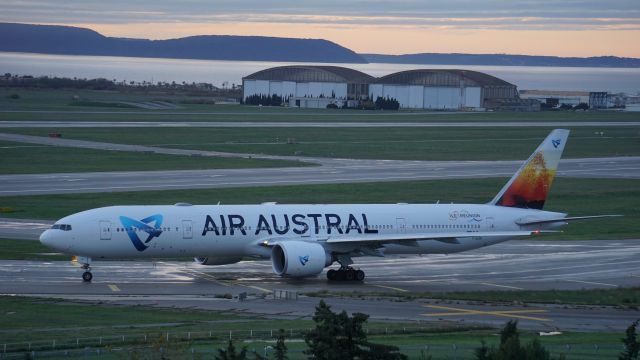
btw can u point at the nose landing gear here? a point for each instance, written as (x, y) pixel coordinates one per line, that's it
(85, 264)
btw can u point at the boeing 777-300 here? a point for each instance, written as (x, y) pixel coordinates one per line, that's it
(302, 240)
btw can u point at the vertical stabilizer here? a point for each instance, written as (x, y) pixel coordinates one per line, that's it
(529, 187)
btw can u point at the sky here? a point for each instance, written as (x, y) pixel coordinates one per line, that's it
(536, 27)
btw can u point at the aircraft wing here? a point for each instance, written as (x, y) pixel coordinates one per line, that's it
(408, 238)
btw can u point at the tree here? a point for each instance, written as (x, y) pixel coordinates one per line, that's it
(230, 353)
(631, 344)
(511, 349)
(341, 337)
(280, 352)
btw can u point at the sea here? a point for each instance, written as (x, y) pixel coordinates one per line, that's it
(226, 73)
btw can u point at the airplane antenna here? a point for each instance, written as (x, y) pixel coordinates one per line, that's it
(218, 202)
(438, 202)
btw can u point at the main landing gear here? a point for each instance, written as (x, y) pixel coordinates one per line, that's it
(346, 273)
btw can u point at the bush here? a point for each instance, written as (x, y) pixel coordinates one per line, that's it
(387, 103)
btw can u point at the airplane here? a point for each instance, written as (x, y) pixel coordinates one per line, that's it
(302, 240)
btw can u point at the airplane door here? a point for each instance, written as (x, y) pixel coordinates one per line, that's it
(488, 222)
(187, 229)
(105, 230)
(401, 225)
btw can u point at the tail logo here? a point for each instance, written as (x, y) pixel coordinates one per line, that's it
(303, 259)
(134, 227)
(556, 143)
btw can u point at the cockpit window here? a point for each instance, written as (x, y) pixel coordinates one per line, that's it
(63, 227)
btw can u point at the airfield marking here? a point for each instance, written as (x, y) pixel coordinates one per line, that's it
(114, 288)
(505, 313)
(211, 278)
(390, 288)
(503, 286)
(252, 286)
(592, 283)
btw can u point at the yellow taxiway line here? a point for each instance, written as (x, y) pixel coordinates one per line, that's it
(390, 288)
(505, 313)
(114, 288)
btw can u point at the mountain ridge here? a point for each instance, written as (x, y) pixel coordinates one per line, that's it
(68, 40)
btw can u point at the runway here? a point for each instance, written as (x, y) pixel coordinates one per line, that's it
(515, 265)
(296, 123)
(331, 171)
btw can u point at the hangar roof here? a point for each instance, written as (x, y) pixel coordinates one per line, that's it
(298, 73)
(442, 77)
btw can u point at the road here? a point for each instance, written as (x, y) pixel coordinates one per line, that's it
(514, 265)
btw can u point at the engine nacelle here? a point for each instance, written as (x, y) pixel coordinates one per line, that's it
(299, 258)
(213, 260)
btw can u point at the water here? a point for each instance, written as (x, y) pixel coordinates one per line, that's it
(613, 80)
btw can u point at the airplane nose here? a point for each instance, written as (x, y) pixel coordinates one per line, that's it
(45, 238)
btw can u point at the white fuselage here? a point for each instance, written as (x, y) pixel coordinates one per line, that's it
(229, 231)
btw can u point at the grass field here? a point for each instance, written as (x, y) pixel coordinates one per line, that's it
(575, 196)
(58, 105)
(72, 324)
(23, 158)
(27, 250)
(511, 143)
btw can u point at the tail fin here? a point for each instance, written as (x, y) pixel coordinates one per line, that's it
(529, 187)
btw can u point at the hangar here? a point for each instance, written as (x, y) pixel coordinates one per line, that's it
(308, 86)
(443, 89)
(320, 86)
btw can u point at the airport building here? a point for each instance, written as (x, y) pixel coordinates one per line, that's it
(556, 98)
(322, 86)
(307, 86)
(442, 89)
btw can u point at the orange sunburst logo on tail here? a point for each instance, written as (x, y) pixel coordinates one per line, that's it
(530, 188)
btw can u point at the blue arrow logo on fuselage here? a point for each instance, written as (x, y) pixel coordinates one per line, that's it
(132, 227)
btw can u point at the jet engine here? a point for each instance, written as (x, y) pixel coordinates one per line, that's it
(216, 260)
(299, 258)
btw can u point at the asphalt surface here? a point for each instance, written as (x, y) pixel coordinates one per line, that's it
(515, 265)
(298, 124)
(331, 171)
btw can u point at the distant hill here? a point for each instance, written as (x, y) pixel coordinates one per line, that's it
(67, 40)
(503, 60)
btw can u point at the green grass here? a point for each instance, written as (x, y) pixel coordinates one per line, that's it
(26, 250)
(22, 158)
(622, 297)
(40, 321)
(510, 143)
(48, 100)
(575, 196)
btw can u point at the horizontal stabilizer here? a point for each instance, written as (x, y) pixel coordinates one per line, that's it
(565, 219)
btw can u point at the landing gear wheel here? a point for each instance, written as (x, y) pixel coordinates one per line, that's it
(349, 275)
(345, 274)
(87, 276)
(332, 275)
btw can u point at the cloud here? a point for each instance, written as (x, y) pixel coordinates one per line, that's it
(455, 14)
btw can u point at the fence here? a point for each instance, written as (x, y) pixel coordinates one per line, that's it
(197, 344)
